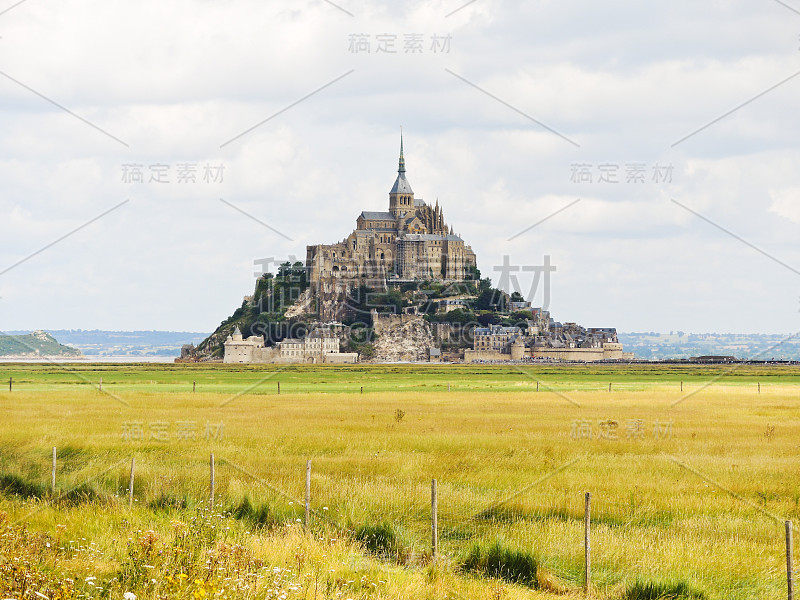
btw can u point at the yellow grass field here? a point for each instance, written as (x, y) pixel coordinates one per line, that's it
(690, 490)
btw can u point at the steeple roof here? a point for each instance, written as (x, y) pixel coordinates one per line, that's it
(402, 167)
(401, 185)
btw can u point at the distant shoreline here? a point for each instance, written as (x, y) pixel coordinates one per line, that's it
(88, 359)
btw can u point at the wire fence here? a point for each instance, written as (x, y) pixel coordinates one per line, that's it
(413, 522)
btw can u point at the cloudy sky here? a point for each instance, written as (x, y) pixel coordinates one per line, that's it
(650, 150)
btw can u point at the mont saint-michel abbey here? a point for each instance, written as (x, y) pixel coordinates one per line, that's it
(411, 241)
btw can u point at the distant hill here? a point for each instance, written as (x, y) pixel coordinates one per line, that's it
(165, 344)
(35, 344)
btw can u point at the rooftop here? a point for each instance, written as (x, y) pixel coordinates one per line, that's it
(497, 330)
(401, 185)
(377, 216)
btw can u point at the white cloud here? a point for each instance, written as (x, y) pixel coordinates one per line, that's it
(175, 81)
(786, 203)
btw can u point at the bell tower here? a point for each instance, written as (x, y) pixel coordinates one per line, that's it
(401, 197)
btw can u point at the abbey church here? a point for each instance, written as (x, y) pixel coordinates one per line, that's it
(411, 241)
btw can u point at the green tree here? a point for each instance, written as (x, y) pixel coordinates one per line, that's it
(472, 273)
(491, 299)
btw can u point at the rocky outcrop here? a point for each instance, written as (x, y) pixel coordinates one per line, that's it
(213, 347)
(402, 338)
(304, 305)
(332, 299)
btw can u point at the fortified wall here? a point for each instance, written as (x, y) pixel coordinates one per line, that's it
(608, 351)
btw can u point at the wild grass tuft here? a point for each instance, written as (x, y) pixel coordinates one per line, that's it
(83, 494)
(661, 590)
(381, 540)
(456, 533)
(499, 561)
(14, 485)
(257, 516)
(169, 502)
(632, 518)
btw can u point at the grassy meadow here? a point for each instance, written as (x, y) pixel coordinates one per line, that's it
(690, 489)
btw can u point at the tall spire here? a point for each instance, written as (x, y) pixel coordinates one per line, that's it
(401, 196)
(402, 167)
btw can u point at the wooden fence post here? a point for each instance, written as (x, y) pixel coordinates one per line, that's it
(53, 472)
(130, 484)
(307, 521)
(434, 519)
(448, 387)
(789, 568)
(537, 386)
(101, 384)
(759, 387)
(587, 547)
(194, 387)
(279, 388)
(211, 495)
(609, 386)
(10, 381)
(681, 387)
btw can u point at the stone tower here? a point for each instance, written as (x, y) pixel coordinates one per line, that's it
(401, 198)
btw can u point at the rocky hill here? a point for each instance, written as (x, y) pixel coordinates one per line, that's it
(275, 310)
(38, 344)
(402, 338)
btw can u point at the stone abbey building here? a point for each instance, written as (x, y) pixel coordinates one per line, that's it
(411, 241)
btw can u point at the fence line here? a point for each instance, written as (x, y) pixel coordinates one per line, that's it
(547, 511)
(434, 519)
(130, 484)
(555, 386)
(789, 566)
(587, 546)
(53, 471)
(307, 521)
(212, 482)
